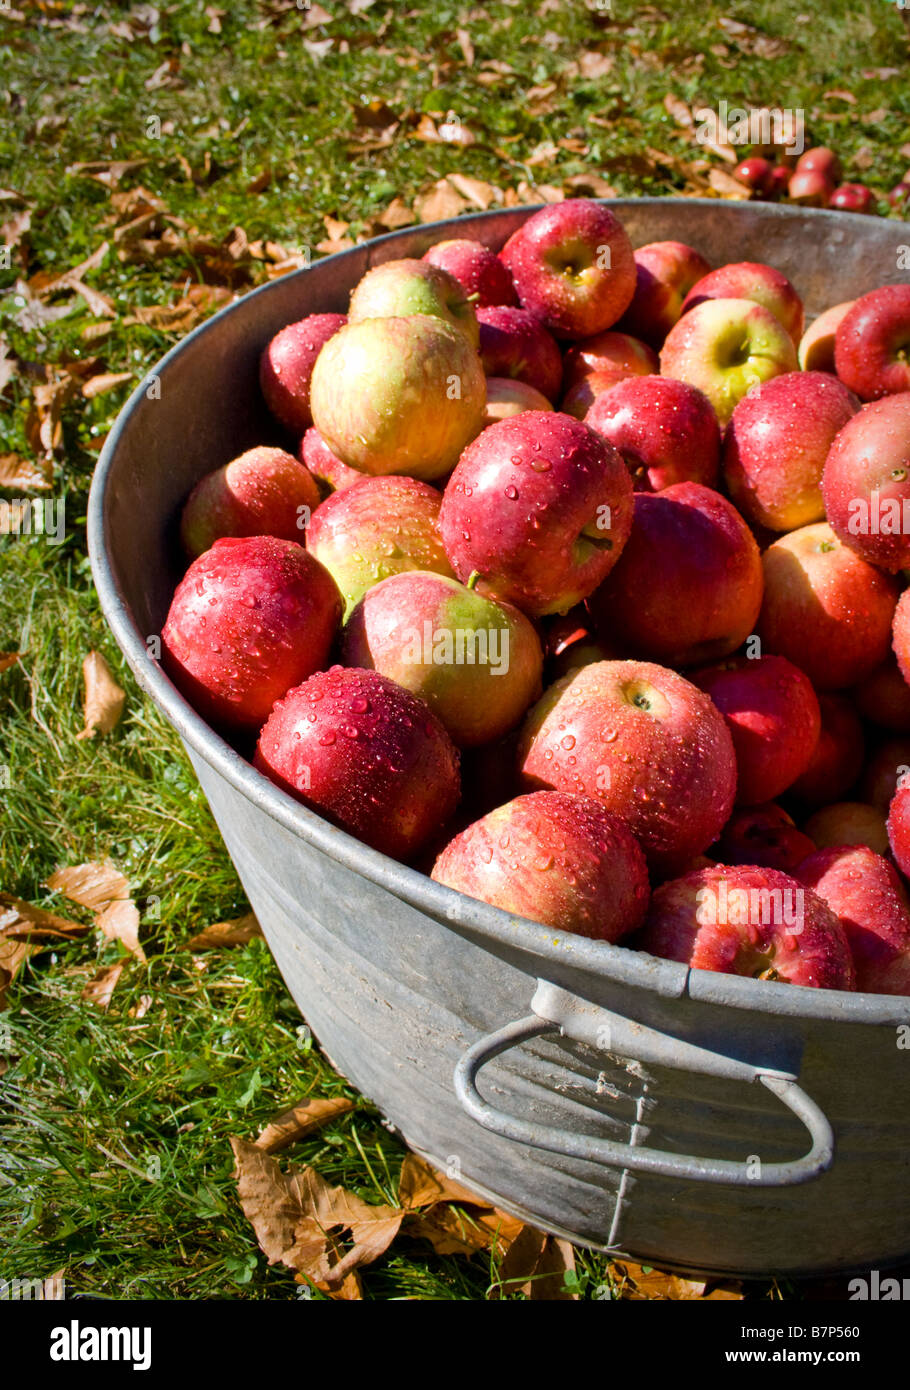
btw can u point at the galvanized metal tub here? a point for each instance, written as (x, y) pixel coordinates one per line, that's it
(703, 1121)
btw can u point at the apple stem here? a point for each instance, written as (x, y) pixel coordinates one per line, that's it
(472, 579)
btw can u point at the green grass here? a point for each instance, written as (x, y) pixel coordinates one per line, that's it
(218, 1051)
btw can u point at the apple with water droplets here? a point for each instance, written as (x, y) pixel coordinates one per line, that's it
(286, 368)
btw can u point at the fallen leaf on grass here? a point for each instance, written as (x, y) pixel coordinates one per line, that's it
(466, 46)
(302, 1119)
(441, 202)
(100, 987)
(638, 1282)
(22, 473)
(15, 228)
(477, 191)
(235, 933)
(120, 922)
(422, 1185)
(23, 921)
(13, 955)
(396, 215)
(105, 381)
(679, 110)
(106, 171)
(8, 659)
(536, 1265)
(93, 885)
(726, 185)
(104, 698)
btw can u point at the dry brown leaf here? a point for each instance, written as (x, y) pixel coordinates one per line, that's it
(9, 364)
(422, 1185)
(302, 1119)
(726, 185)
(91, 885)
(452, 1231)
(261, 182)
(105, 381)
(8, 659)
(22, 473)
(397, 214)
(316, 15)
(477, 191)
(592, 64)
(120, 922)
(100, 987)
(13, 955)
(591, 185)
(166, 318)
(106, 171)
(638, 1283)
(536, 1264)
(104, 698)
(235, 933)
(539, 193)
(25, 922)
(466, 46)
(679, 110)
(838, 95)
(13, 230)
(441, 202)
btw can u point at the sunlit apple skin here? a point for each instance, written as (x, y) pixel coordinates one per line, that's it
(752, 280)
(251, 617)
(888, 765)
(396, 289)
(330, 473)
(554, 858)
(608, 353)
(666, 431)
(822, 160)
(872, 343)
(810, 188)
(379, 527)
(899, 829)
(507, 397)
(665, 273)
(399, 395)
(816, 346)
(852, 197)
(540, 508)
(813, 951)
(756, 173)
(866, 483)
(367, 755)
(825, 609)
(478, 270)
(513, 343)
(573, 267)
(286, 368)
(776, 445)
(848, 823)
(399, 628)
(884, 697)
(900, 634)
(688, 586)
(642, 741)
(773, 716)
(579, 399)
(837, 758)
(763, 835)
(866, 895)
(263, 492)
(725, 347)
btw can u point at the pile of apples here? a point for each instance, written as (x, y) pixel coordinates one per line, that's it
(579, 591)
(814, 180)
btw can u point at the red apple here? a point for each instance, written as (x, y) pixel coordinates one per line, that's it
(825, 608)
(816, 346)
(286, 367)
(264, 492)
(853, 197)
(872, 341)
(726, 347)
(866, 483)
(886, 770)
(763, 835)
(747, 920)
(665, 273)
(899, 829)
(820, 159)
(810, 188)
(899, 197)
(514, 344)
(608, 354)
(900, 634)
(837, 757)
(380, 527)
(251, 617)
(773, 716)
(756, 173)
(755, 281)
(579, 398)
(666, 431)
(367, 755)
(848, 823)
(776, 445)
(688, 585)
(884, 697)
(866, 895)
(643, 742)
(476, 662)
(540, 508)
(506, 398)
(397, 289)
(780, 181)
(480, 272)
(573, 267)
(557, 859)
(330, 473)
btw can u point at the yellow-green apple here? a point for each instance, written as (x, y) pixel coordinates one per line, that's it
(539, 508)
(825, 608)
(397, 289)
(852, 197)
(872, 343)
(886, 769)
(763, 835)
(884, 697)
(866, 895)
(811, 188)
(752, 921)
(666, 431)
(725, 347)
(330, 473)
(608, 354)
(823, 160)
(263, 492)
(838, 755)
(848, 823)
(900, 634)
(554, 858)
(379, 527)
(752, 280)
(573, 267)
(899, 829)
(399, 395)
(816, 346)
(773, 716)
(688, 585)
(507, 397)
(665, 271)
(514, 344)
(644, 742)
(776, 444)
(370, 757)
(251, 617)
(866, 482)
(475, 661)
(286, 368)
(480, 272)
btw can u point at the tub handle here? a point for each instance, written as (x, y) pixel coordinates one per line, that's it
(556, 1011)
